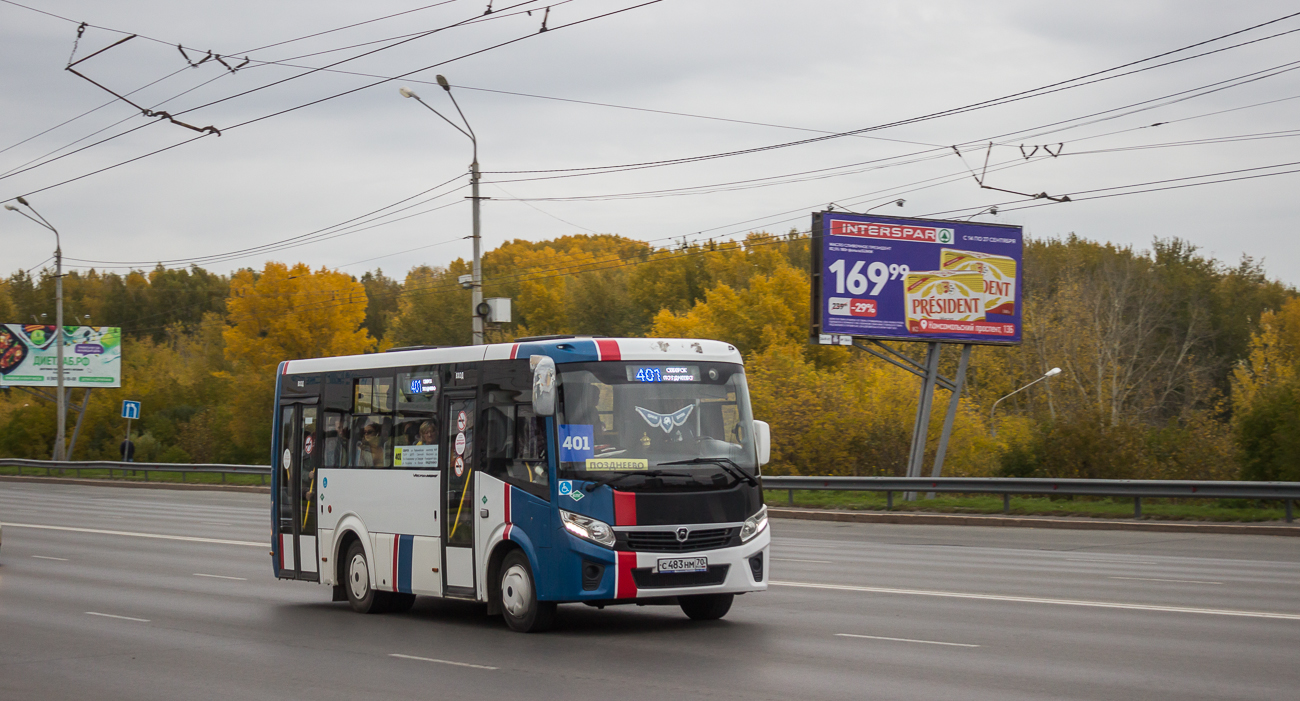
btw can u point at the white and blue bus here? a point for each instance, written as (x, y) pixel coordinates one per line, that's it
(523, 475)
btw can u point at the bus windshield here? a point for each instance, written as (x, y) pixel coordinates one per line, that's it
(627, 418)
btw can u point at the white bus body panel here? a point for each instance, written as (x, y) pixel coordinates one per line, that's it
(394, 502)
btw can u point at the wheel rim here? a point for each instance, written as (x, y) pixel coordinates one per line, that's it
(516, 591)
(359, 577)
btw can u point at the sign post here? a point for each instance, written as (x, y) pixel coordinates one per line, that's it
(881, 278)
(130, 410)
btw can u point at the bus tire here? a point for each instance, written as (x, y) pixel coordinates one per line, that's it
(706, 607)
(361, 596)
(518, 591)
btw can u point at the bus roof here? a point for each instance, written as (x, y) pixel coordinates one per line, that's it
(577, 349)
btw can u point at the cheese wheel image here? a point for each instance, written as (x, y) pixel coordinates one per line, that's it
(999, 274)
(942, 295)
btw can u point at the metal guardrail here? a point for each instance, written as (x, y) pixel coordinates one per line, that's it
(1286, 492)
(183, 469)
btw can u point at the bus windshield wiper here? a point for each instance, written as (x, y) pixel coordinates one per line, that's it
(727, 464)
(591, 486)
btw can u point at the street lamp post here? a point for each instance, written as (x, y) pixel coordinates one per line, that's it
(1050, 373)
(900, 202)
(476, 282)
(61, 400)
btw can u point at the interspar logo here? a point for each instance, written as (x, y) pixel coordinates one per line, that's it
(891, 232)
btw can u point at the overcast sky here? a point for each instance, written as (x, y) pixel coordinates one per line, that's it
(796, 69)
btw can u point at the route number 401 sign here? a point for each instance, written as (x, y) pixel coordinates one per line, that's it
(901, 279)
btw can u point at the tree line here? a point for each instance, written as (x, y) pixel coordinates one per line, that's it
(1175, 365)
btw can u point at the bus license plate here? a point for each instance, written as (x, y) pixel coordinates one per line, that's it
(684, 564)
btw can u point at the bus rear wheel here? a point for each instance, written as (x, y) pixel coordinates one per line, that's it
(706, 607)
(361, 596)
(518, 592)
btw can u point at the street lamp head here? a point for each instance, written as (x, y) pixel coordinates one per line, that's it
(22, 201)
(1052, 373)
(443, 82)
(11, 208)
(406, 92)
(900, 202)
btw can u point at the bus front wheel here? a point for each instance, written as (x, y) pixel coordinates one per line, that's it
(706, 607)
(518, 592)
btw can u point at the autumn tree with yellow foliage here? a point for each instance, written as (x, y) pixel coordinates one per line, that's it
(284, 313)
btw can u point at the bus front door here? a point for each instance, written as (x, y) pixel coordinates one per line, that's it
(459, 507)
(296, 488)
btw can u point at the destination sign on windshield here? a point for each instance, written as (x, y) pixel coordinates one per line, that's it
(663, 373)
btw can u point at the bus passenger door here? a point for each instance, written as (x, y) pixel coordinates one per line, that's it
(459, 507)
(296, 486)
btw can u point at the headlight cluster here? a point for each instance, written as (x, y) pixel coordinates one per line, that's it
(590, 529)
(754, 524)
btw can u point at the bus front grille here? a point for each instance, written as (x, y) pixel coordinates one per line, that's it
(667, 542)
(647, 578)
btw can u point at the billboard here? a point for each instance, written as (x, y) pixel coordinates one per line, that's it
(901, 279)
(92, 356)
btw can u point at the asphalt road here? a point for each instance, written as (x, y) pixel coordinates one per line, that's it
(856, 611)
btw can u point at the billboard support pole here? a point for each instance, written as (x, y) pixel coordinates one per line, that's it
(919, 432)
(81, 414)
(951, 417)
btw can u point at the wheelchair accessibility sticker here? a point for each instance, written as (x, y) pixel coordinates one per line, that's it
(567, 489)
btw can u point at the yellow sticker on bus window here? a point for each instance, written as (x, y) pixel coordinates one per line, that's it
(617, 464)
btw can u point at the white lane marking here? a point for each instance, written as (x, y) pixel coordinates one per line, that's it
(1036, 600)
(1113, 562)
(791, 559)
(124, 618)
(47, 557)
(902, 640)
(430, 659)
(220, 576)
(1151, 579)
(190, 539)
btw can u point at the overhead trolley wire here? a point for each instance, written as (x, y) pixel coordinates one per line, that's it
(349, 92)
(1007, 99)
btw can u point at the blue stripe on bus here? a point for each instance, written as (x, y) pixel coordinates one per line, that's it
(404, 562)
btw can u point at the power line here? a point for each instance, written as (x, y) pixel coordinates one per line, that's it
(348, 92)
(1013, 97)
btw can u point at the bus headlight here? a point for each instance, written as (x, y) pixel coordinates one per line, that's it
(588, 528)
(753, 525)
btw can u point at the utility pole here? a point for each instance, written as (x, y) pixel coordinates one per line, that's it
(476, 293)
(61, 399)
(476, 278)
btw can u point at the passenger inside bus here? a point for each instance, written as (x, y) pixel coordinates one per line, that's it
(372, 449)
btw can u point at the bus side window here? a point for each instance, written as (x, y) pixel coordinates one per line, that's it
(372, 441)
(530, 446)
(336, 439)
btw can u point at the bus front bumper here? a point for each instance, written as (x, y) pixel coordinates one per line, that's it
(628, 575)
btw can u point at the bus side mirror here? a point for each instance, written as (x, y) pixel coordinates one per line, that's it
(763, 441)
(544, 389)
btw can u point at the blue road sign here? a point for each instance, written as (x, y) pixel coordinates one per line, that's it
(130, 409)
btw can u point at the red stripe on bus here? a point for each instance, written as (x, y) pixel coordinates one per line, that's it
(608, 349)
(625, 587)
(506, 536)
(396, 539)
(514, 351)
(624, 508)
